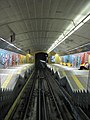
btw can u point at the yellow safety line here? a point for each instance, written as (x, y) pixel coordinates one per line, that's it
(19, 71)
(7, 81)
(17, 100)
(9, 78)
(64, 74)
(78, 83)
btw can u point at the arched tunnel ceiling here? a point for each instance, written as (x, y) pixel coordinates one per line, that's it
(38, 23)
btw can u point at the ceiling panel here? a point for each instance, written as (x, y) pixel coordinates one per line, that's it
(22, 36)
(31, 8)
(38, 23)
(46, 8)
(28, 25)
(5, 32)
(18, 27)
(53, 7)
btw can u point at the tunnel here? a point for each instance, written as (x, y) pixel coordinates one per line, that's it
(40, 56)
(44, 59)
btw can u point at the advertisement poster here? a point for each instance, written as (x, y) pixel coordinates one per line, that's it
(76, 59)
(8, 58)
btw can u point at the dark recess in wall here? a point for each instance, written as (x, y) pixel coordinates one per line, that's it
(40, 56)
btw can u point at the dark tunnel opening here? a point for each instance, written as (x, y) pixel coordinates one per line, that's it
(40, 57)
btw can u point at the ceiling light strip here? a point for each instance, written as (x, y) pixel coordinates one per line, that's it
(63, 38)
(10, 43)
(78, 47)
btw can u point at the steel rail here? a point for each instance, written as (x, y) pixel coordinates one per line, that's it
(53, 96)
(30, 97)
(44, 102)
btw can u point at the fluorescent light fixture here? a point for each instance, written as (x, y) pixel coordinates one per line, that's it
(78, 26)
(79, 47)
(10, 43)
(64, 37)
(69, 28)
(87, 19)
(2, 39)
(18, 48)
(74, 29)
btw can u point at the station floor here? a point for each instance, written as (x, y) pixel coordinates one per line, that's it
(9, 76)
(77, 79)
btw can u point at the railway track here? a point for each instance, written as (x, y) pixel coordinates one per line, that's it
(43, 99)
(24, 108)
(61, 111)
(77, 112)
